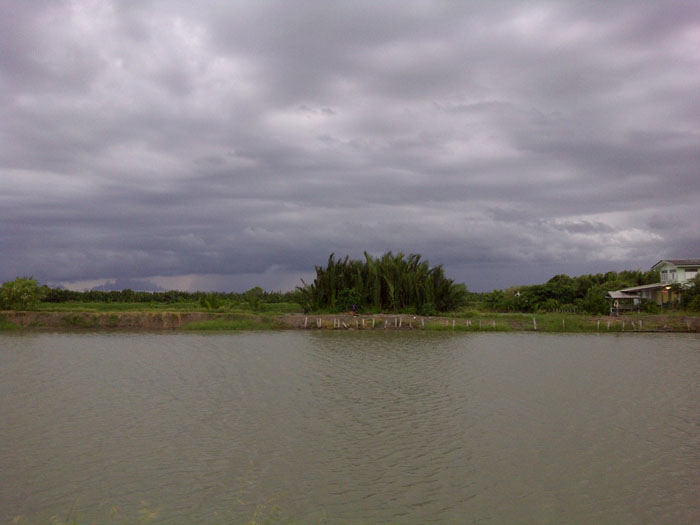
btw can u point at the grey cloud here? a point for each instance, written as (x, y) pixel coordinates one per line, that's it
(163, 139)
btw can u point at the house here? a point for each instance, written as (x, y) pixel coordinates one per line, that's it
(675, 274)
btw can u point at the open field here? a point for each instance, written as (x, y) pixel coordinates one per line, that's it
(125, 318)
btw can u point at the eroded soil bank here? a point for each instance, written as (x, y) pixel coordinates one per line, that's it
(485, 322)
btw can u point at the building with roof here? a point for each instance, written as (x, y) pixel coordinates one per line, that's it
(675, 274)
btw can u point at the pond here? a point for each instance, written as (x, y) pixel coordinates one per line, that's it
(350, 427)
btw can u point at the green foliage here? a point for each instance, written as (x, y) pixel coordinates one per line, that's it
(388, 283)
(347, 298)
(690, 296)
(584, 293)
(21, 294)
(254, 298)
(211, 301)
(6, 325)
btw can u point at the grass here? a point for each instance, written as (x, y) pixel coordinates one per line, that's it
(7, 326)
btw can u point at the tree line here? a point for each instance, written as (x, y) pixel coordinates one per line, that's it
(585, 293)
(390, 283)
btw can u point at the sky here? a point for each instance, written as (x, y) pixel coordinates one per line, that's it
(225, 145)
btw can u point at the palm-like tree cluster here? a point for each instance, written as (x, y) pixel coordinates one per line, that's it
(387, 283)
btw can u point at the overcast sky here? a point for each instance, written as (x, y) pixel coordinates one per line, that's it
(223, 145)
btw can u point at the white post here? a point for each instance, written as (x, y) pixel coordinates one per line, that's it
(534, 324)
(598, 326)
(373, 322)
(363, 322)
(306, 321)
(400, 321)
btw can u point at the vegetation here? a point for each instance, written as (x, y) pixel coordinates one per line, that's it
(21, 294)
(585, 293)
(690, 296)
(6, 326)
(393, 283)
(390, 283)
(253, 298)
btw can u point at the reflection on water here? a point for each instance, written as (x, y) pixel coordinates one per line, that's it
(347, 426)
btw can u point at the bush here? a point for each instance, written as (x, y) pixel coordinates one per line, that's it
(21, 294)
(347, 297)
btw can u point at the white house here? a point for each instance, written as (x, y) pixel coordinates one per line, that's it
(672, 271)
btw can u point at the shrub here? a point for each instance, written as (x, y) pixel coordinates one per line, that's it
(21, 294)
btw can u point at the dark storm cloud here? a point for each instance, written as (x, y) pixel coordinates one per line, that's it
(213, 145)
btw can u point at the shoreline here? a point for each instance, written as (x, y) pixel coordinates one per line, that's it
(218, 321)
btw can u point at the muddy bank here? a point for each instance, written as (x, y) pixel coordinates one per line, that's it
(486, 322)
(494, 322)
(104, 320)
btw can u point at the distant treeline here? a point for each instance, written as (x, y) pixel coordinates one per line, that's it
(60, 295)
(390, 283)
(585, 293)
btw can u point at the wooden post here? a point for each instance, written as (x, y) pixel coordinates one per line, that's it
(534, 324)
(306, 321)
(400, 321)
(373, 322)
(422, 323)
(608, 324)
(453, 324)
(363, 322)
(493, 323)
(357, 323)
(563, 324)
(410, 324)
(343, 325)
(479, 324)
(396, 322)
(318, 322)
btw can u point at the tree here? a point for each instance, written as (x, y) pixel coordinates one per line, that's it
(21, 294)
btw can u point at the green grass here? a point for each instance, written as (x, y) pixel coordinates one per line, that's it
(7, 326)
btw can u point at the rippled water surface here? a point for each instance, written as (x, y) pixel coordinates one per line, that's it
(351, 426)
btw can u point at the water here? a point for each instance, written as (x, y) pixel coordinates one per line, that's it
(351, 427)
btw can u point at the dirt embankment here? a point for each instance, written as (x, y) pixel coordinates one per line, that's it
(487, 322)
(494, 322)
(104, 320)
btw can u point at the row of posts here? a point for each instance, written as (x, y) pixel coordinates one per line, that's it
(398, 323)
